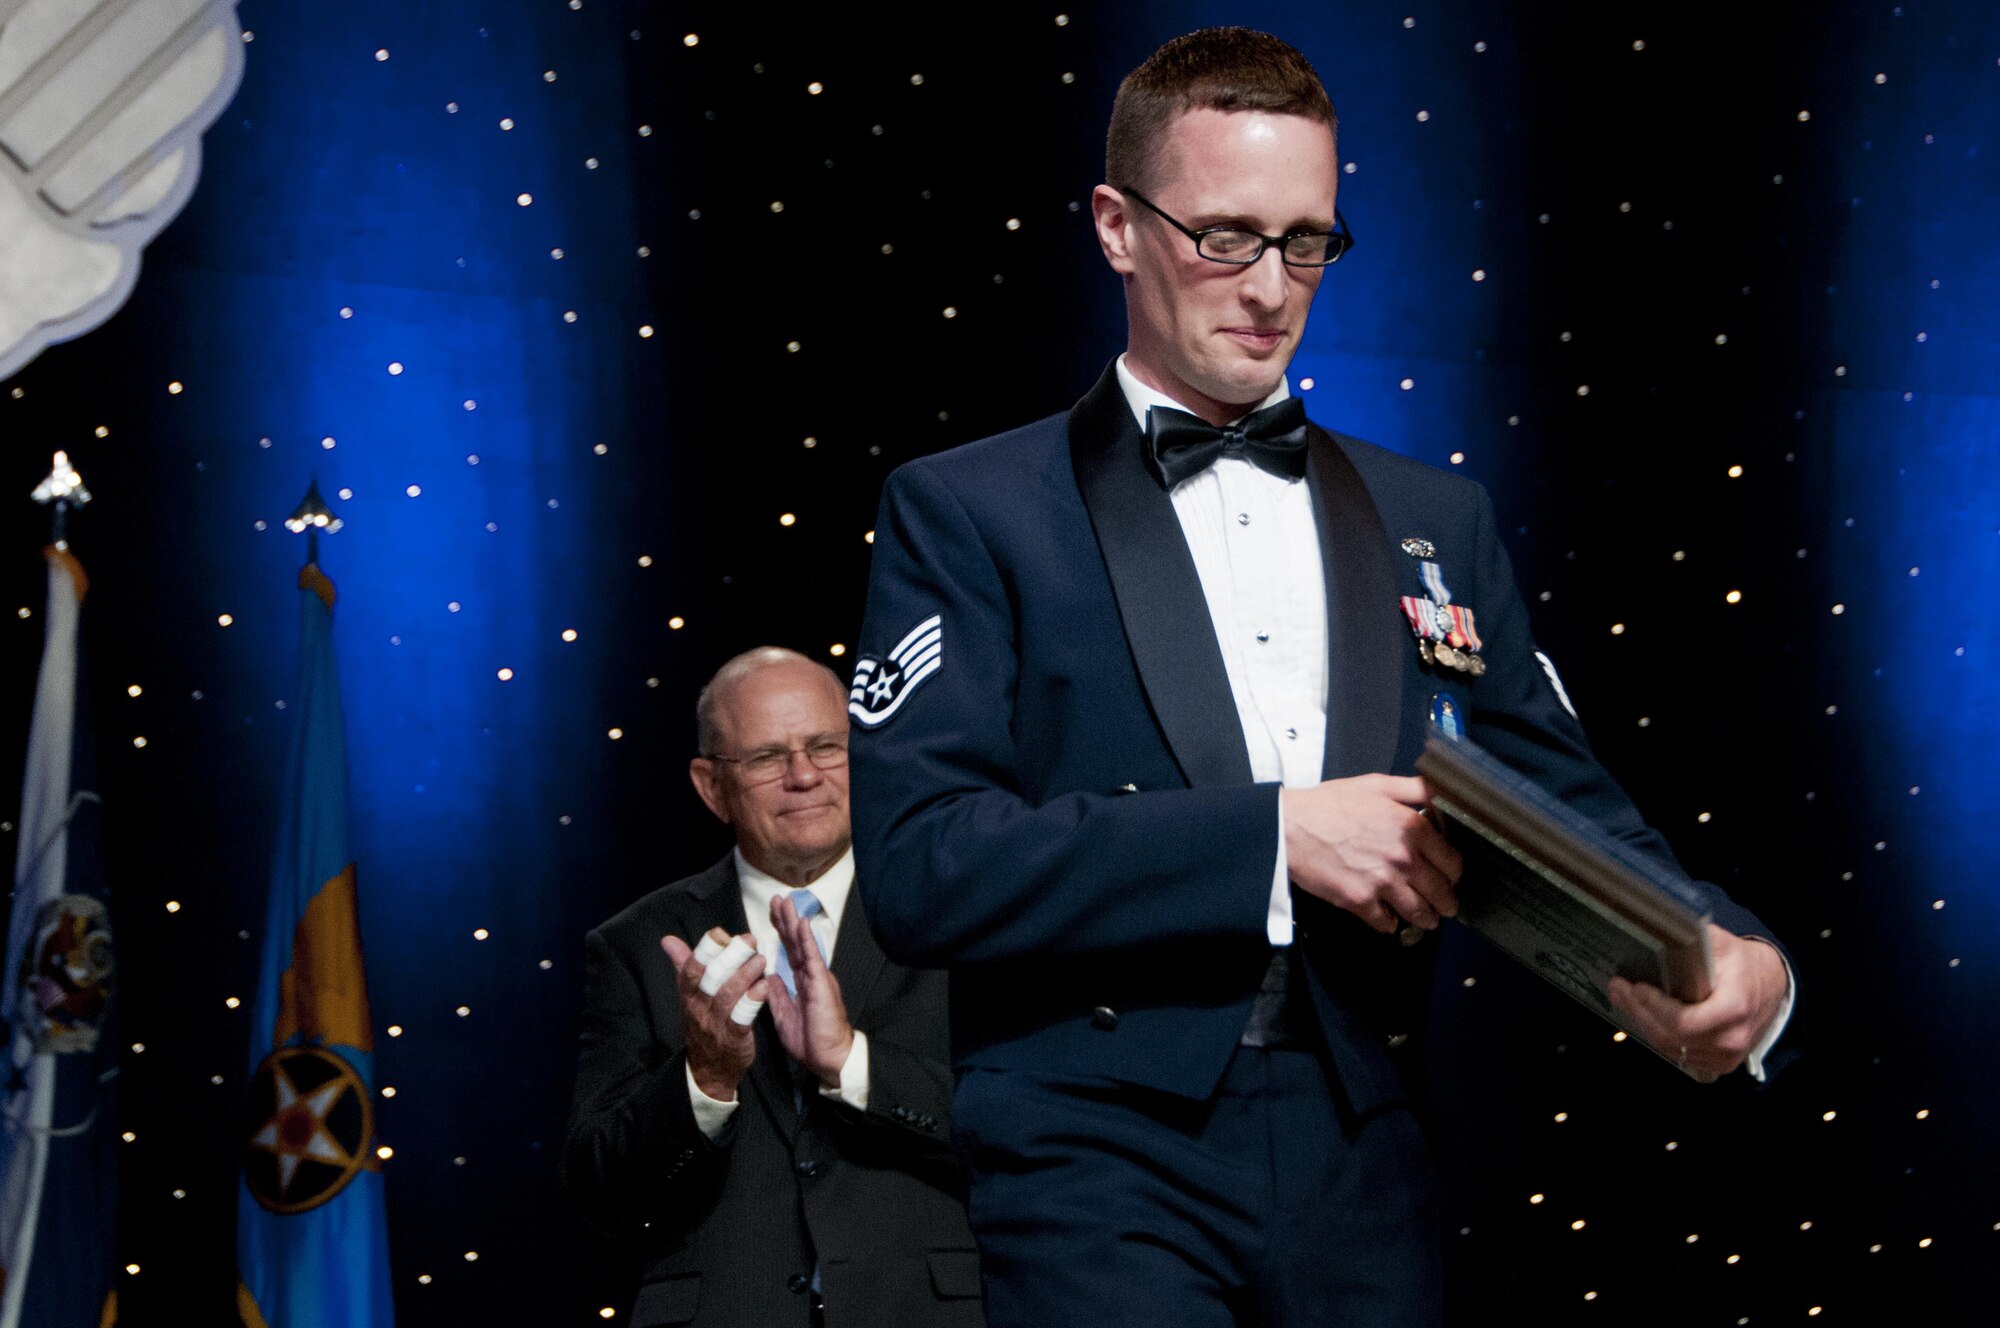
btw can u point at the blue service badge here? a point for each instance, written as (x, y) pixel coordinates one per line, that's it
(1446, 717)
(881, 685)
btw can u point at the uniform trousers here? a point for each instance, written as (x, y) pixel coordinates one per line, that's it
(1269, 1204)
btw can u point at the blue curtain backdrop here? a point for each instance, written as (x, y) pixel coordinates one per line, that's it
(567, 305)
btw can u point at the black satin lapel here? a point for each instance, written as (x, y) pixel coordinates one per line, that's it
(857, 960)
(1364, 630)
(1160, 600)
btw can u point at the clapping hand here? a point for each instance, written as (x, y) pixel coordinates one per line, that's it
(813, 1024)
(719, 1050)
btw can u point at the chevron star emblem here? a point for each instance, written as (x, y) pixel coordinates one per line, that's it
(882, 683)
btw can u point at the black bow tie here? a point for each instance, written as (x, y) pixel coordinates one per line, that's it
(1179, 444)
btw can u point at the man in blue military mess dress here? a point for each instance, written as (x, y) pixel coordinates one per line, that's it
(1136, 724)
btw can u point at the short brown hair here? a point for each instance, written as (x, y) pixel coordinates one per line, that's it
(1223, 69)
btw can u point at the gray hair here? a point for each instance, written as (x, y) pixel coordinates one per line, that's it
(708, 733)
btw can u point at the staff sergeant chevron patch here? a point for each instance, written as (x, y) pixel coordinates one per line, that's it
(882, 685)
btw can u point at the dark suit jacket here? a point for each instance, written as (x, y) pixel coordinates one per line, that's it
(1071, 782)
(732, 1229)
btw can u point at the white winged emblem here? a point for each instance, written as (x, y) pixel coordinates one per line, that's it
(882, 685)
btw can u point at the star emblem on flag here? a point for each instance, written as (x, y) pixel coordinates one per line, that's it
(314, 1131)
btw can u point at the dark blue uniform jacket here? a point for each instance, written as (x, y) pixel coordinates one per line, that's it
(1060, 810)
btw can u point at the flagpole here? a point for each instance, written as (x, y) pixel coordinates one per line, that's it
(40, 877)
(311, 1232)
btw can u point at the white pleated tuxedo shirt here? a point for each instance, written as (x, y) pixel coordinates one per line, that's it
(1256, 550)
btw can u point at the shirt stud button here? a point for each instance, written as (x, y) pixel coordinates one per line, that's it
(1263, 636)
(1291, 733)
(1242, 518)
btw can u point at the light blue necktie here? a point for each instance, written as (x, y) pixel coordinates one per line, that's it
(807, 904)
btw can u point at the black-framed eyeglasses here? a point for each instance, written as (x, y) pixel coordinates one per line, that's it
(769, 763)
(1241, 247)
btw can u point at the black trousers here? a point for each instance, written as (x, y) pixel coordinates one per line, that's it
(1095, 1202)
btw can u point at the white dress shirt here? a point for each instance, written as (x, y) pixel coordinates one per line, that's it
(1256, 550)
(759, 889)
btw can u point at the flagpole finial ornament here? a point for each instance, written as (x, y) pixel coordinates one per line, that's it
(312, 513)
(62, 490)
(310, 517)
(63, 485)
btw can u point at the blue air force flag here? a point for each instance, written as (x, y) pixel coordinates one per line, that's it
(58, 1153)
(312, 1243)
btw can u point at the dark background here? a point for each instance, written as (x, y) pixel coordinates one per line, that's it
(1810, 297)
